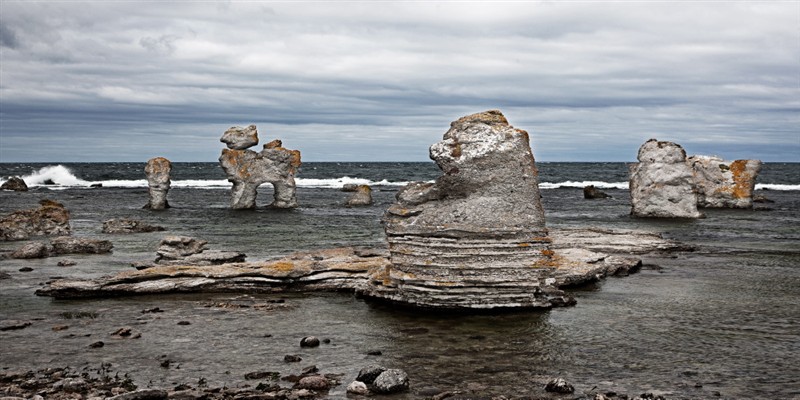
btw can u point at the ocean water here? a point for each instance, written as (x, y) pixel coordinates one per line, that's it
(721, 320)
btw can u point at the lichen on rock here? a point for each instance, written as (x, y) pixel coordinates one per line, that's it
(724, 184)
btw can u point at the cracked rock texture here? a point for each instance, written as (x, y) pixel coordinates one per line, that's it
(724, 184)
(51, 218)
(661, 183)
(158, 182)
(248, 169)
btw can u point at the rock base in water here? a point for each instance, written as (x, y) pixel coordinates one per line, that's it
(158, 182)
(661, 183)
(724, 184)
(14, 183)
(51, 218)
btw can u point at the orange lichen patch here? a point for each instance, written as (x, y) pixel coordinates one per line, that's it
(273, 144)
(542, 239)
(158, 165)
(295, 155)
(455, 152)
(741, 179)
(235, 158)
(284, 266)
(523, 245)
(548, 253)
(490, 117)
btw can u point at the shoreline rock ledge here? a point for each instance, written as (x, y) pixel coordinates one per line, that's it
(476, 238)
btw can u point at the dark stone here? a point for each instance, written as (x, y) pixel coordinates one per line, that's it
(591, 192)
(311, 369)
(97, 345)
(12, 325)
(369, 373)
(4, 275)
(184, 323)
(14, 183)
(127, 225)
(760, 198)
(292, 358)
(374, 353)
(262, 375)
(309, 341)
(66, 263)
(142, 394)
(73, 245)
(313, 382)
(25, 269)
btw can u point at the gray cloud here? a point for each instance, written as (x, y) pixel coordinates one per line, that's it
(358, 81)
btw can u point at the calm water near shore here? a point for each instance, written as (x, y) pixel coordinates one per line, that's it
(724, 318)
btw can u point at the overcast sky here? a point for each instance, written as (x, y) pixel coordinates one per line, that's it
(381, 81)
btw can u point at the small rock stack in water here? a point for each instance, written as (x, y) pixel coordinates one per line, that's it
(247, 169)
(475, 238)
(724, 184)
(662, 184)
(158, 171)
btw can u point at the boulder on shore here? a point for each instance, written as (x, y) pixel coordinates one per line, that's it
(51, 218)
(362, 196)
(127, 225)
(158, 182)
(247, 170)
(14, 183)
(724, 184)
(661, 183)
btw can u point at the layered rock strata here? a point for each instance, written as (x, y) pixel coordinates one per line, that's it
(662, 183)
(476, 238)
(247, 169)
(51, 218)
(185, 250)
(724, 184)
(362, 269)
(158, 171)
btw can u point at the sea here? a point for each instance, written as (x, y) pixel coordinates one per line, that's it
(722, 321)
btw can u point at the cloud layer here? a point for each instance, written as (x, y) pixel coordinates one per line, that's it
(591, 81)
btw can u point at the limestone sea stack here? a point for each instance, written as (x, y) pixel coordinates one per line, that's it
(247, 169)
(662, 183)
(158, 182)
(724, 184)
(476, 238)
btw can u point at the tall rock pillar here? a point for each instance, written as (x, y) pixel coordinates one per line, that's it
(158, 182)
(662, 184)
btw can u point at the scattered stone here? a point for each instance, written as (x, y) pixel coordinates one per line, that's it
(96, 185)
(391, 381)
(349, 187)
(32, 250)
(179, 247)
(262, 375)
(358, 387)
(72, 385)
(152, 310)
(313, 382)
(247, 170)
(13, 325)
(559, 385)
(369, 373)
(25, 269)
(374, 353)
(158, 182)
(142, 394)
(362, 196)
(311, 369)
(127, 225)
(292, 358)
(66, 263)
(309, 341)
(662, 183)
(73, 245)
(14, 183)
(184, 323)
(724, 184)
(97, 345)
(51, 218)
(123, 332)
(59, 328)
(591, 192)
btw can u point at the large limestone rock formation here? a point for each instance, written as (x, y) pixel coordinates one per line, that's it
(51, 218)
(724, 184)
(247, 170)
(475, 238)
(662, 184)
(158, 182)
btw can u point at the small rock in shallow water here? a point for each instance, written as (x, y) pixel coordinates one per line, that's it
(374, 353)
(314, 382)
(309, 341)
(66, 263)
(60, 328)
(97, 345)
(559, 385)
(184, 323)
(391, 381)
(292, 358)
(142, 394)
(10, 325)
(369, 373)
(25, 269)
(358, 387)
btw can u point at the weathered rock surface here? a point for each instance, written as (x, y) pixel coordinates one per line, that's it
(247, 170)
(362, 196)
(74, 245)
(126, 225)
(14, 183)
(32, 250)
(391, 381)
(185, 250)
(51, 218)
(724, 184)
(591, 192)
(661, 183)
(238, 138)
(158, 182)
(475, 238)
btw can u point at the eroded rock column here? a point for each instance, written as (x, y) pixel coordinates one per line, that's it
(662, 183)
(724, 184)
(476, 238)
(247, 170)
(158, 182)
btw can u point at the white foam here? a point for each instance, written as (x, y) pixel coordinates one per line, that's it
(58, 174)
(775, 186)
(582, 184)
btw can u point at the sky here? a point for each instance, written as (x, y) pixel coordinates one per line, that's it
(381, 81)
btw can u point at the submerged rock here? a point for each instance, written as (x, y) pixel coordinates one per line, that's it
(158, 182)
(127, 225)
(475, 238)
(14, 183)
(559, 385)
(51, 218)
(362, 196)
(661, 183)
(724, 184)
(247, 170)
(73, 245)
(591, 192)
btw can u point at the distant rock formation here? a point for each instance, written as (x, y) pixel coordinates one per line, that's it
(51, 218)
(127, 225)
(724, 184)
(476, 238)
(185, 250)
(62, 245)
(158, 182)
(591, 192)
(661, 183)
(247, 170)
(362, 196)
(14, 183)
